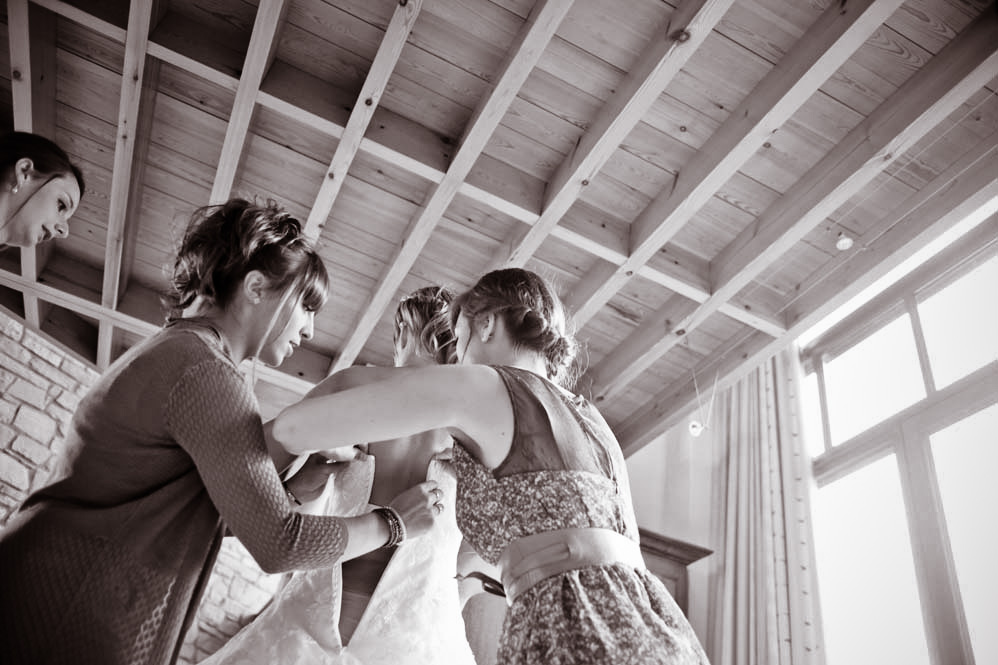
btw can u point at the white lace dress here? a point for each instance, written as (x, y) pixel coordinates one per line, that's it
(413, 617)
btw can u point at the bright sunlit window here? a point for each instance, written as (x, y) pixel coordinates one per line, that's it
(861, 537)
(966, 457)
(874, 379)
(961, 326)
(900, 411)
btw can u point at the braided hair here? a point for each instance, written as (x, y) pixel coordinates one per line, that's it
(533, 314)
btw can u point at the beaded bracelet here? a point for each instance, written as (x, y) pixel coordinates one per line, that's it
(396, 527)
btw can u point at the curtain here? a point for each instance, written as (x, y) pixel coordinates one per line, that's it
(762, 607)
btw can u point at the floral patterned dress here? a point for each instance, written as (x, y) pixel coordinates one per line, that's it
(565, 470)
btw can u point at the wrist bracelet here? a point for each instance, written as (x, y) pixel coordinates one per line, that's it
(396, 527)
(291, 495)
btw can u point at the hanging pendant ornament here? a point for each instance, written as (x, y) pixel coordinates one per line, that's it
(697, 427)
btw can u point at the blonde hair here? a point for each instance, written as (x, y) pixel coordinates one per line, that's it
(426, 312)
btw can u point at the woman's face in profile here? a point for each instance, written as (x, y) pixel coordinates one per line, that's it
(41, 212)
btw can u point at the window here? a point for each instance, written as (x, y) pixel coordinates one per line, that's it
(861, 536)
(902, 396)
(961, 324)
(874, 379)
(966, 457)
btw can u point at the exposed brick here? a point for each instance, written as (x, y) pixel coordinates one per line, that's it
(61, 415)
(69, 400)
(7, 434)
(9, 501)
(14, 350)
(76, 369)
(31, 449)
(52, 373)
(14, 472)
(237, 589)
(20, 370)
(28, 393)
(6, 378)
(37, 424)
(42, 347)
(11, 327)
(7, 411)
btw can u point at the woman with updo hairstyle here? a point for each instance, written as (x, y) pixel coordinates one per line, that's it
(390, 606)
(40, 189)
(542, 489)
(166, 453)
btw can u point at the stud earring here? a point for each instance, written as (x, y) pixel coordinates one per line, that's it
(13, 190)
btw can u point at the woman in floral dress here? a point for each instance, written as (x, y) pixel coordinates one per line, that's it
(542, 485)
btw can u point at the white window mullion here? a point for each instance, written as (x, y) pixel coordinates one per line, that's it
(920, 347)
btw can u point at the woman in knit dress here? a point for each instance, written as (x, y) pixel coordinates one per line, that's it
(106, 564)
(542, 487)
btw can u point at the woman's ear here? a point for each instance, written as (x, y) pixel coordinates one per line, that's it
(23, 170)
(486, 326)
(22, 173)
(255, 286)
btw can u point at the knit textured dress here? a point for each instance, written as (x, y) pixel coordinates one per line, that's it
(107, 564)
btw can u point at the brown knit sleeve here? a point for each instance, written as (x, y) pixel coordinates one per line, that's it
(213, 415)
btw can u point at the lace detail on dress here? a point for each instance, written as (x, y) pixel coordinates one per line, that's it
(414, 615)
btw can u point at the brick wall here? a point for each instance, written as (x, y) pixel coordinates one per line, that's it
(41, 382)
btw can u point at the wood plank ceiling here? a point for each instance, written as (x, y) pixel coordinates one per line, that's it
(682, 172)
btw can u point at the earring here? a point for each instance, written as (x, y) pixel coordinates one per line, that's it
(13, 190)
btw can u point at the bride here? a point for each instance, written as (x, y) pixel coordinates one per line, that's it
(400, 605)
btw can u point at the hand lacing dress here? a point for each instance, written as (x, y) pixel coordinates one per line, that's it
(565, 470)
(414, 614)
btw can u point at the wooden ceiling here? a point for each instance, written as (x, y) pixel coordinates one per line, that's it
(682, 172)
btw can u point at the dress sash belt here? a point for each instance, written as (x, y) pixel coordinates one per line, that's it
(530, 559)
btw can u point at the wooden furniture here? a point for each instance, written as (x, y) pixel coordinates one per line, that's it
(669, 558)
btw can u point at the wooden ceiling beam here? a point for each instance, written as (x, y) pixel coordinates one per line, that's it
(259, 55)
(127, 134)
(672, 45)
(962, 68)
(33, 74)
(961, 196)
(87, 20)
(827, 44)
(94, 310)
(523, 211)
(396, 35)
(521, 59)
(968, 180)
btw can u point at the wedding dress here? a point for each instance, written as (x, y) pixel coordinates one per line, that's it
(413, 617)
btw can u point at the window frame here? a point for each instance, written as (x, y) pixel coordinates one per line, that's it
(906, 434)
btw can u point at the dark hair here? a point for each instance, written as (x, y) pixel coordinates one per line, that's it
(532, 312)
(47, 158)
(427, 313)
(225, 242)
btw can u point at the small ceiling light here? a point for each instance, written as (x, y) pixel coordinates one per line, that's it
(843, 242)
